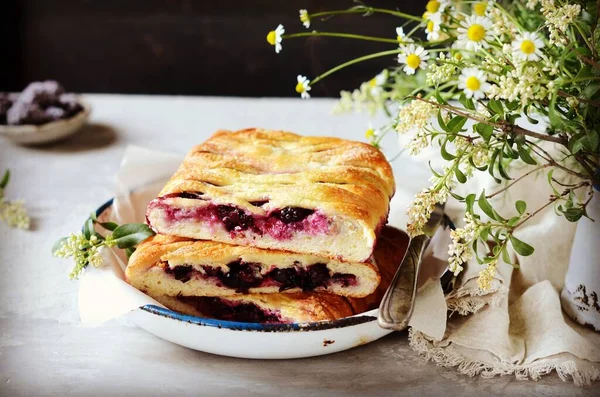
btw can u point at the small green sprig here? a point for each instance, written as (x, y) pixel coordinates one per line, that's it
(85, 247)
(13, 213)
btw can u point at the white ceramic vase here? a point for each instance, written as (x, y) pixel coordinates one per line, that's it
(580, 296)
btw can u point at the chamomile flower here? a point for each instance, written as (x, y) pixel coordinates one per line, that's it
(413, 57)
(527, 47)
(480, 8)
(474, 32)
(372, 133)
(473, 82)
(377, 82)
(434, 9)
(401, 36)
(275, 36)
(433, 29)
(303, 86)
(305, 18)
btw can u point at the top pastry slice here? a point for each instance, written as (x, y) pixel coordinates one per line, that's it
(278, 190)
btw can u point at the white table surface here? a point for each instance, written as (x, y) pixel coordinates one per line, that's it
(44, 351)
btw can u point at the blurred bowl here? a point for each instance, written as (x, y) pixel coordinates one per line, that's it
(53, 131)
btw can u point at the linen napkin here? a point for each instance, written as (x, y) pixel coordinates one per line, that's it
(517, 327)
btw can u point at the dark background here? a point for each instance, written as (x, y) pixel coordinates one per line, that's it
(185, 47)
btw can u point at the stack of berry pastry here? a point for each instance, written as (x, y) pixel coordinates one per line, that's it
(267, 226)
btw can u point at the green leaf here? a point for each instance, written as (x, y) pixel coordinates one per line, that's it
(456, 196)
(434, 171)
(573, 214)
(521, 247)
(496, 106)
(469, 201)
(109, 225)
(5, 179)
(484, 233)
(456, 124)
(131, 234)
(441, 122)
(466, 102)
(485, 130)
(506, 257)
(88, 228)
(445, 155)
(129, 252)
(460, 176)
(525, 156)
(514, 220)
(502, 172)
(439, 98)
(521, 206)
(556, 193)
(57, 245)
(485, 206)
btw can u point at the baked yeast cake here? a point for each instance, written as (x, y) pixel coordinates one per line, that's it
(172, 266)
(278, 190)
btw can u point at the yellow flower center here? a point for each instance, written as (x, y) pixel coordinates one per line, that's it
(370, 133)
(473, 83)
(372, 82)
(304, 17)
(458, 56)
(430, 26)
(528, 47)
(413, 61)
(271, 37)
(433, 6)
(476, 32)
(479, 8)
(400, 39)
(300, 88)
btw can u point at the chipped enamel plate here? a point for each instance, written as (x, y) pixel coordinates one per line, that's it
(257, 341)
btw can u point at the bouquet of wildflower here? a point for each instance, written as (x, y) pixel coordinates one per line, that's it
(467, 73)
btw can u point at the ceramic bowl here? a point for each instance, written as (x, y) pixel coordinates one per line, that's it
(49, 132)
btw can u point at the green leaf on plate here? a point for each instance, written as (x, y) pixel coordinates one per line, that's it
(521, 247)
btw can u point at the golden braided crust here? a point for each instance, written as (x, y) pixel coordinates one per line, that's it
(343, 179)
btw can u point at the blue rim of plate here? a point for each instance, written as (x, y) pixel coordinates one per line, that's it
(239, 326)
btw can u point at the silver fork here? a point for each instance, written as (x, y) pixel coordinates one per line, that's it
(398, 303)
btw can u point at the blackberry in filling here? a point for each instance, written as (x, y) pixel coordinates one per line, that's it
(181, 273)
(292, 214)
(230, 311)
(245, 275)
(234, 218)
(242, 276)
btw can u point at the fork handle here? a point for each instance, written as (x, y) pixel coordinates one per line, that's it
(397, 304)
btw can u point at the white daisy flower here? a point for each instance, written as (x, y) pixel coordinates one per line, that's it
(527, 47)
(303, 86)
(474, 32)
(372, 133)
(413, 57)
(434, 9)
(377, 82)
(480, 8)
(401, 36)
(433, 30)
(473, 82)
(305, 18)
(275, 36)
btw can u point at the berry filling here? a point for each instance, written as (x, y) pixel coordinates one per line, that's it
(245, 275)
(280, 224)
(222, 309)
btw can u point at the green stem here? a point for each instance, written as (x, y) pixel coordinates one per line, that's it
(352, 62)
(342, 35)
(366, 10)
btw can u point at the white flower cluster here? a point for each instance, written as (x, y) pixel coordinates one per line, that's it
(558, 19)
(13, 213)
(477, 151)
(460, 251)
(421, 208)
(416, 114)
(524, 84)
(440, 72)
(83, 251)
(486, 276)
(365, 98)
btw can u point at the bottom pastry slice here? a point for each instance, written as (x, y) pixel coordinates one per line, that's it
(295, 307)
